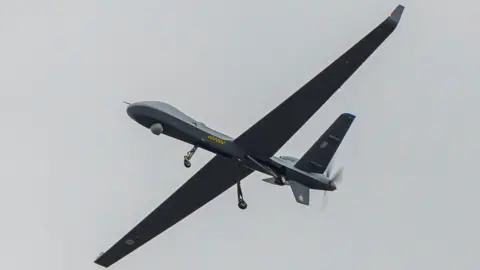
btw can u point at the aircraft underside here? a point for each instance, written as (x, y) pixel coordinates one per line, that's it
(255, 148)
(284, 170)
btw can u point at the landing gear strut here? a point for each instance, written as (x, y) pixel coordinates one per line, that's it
(241, 202)
(188, 156)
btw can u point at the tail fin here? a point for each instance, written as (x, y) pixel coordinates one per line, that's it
(317, 158)
(300, 192)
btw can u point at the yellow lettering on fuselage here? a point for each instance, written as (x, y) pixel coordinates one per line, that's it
(215, 139)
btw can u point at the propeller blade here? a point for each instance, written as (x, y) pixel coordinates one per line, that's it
(324, 201)
(328, 170)
(338, 177)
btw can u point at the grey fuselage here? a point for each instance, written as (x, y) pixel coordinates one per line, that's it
(180, 126)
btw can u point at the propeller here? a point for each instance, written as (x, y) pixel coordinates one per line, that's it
(335, 179)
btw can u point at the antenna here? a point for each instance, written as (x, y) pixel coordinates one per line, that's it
(128, 103)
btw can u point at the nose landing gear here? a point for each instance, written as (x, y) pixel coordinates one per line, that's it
(241, 202)
(188, 156)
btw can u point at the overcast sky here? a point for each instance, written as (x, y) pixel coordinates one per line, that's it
(77, 173)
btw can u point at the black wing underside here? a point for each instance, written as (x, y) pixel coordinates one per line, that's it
(263, 140)
(269, 134)
(218, 175)
(317, 158)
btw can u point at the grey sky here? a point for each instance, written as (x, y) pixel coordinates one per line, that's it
(77, 173)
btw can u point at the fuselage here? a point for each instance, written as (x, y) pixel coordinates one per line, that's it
(180, 126)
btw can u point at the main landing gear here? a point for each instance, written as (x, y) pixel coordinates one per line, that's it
(188, 156)
(241, 202)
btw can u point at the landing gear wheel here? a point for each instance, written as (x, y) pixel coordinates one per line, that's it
(188, 156)
(242, 205)
(241, 202)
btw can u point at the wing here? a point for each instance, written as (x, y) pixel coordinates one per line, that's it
(269, 134)
(218, 175)
(317, 158)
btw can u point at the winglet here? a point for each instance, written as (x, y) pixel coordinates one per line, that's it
(349, 115)
(396, 14)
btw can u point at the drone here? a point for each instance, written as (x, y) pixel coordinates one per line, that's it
(253, 150)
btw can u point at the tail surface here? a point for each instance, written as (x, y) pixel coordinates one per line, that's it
(317, 158)
(320, 154)
(300, 192)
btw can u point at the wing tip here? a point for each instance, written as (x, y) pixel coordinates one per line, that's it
(349, 115)
(396, 14)
(99, 262)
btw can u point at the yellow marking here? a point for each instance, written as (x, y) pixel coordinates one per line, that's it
(215, 139)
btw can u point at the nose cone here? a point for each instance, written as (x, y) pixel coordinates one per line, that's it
(131, 108)
(142, 113)
(138, 110)
(143, 108)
